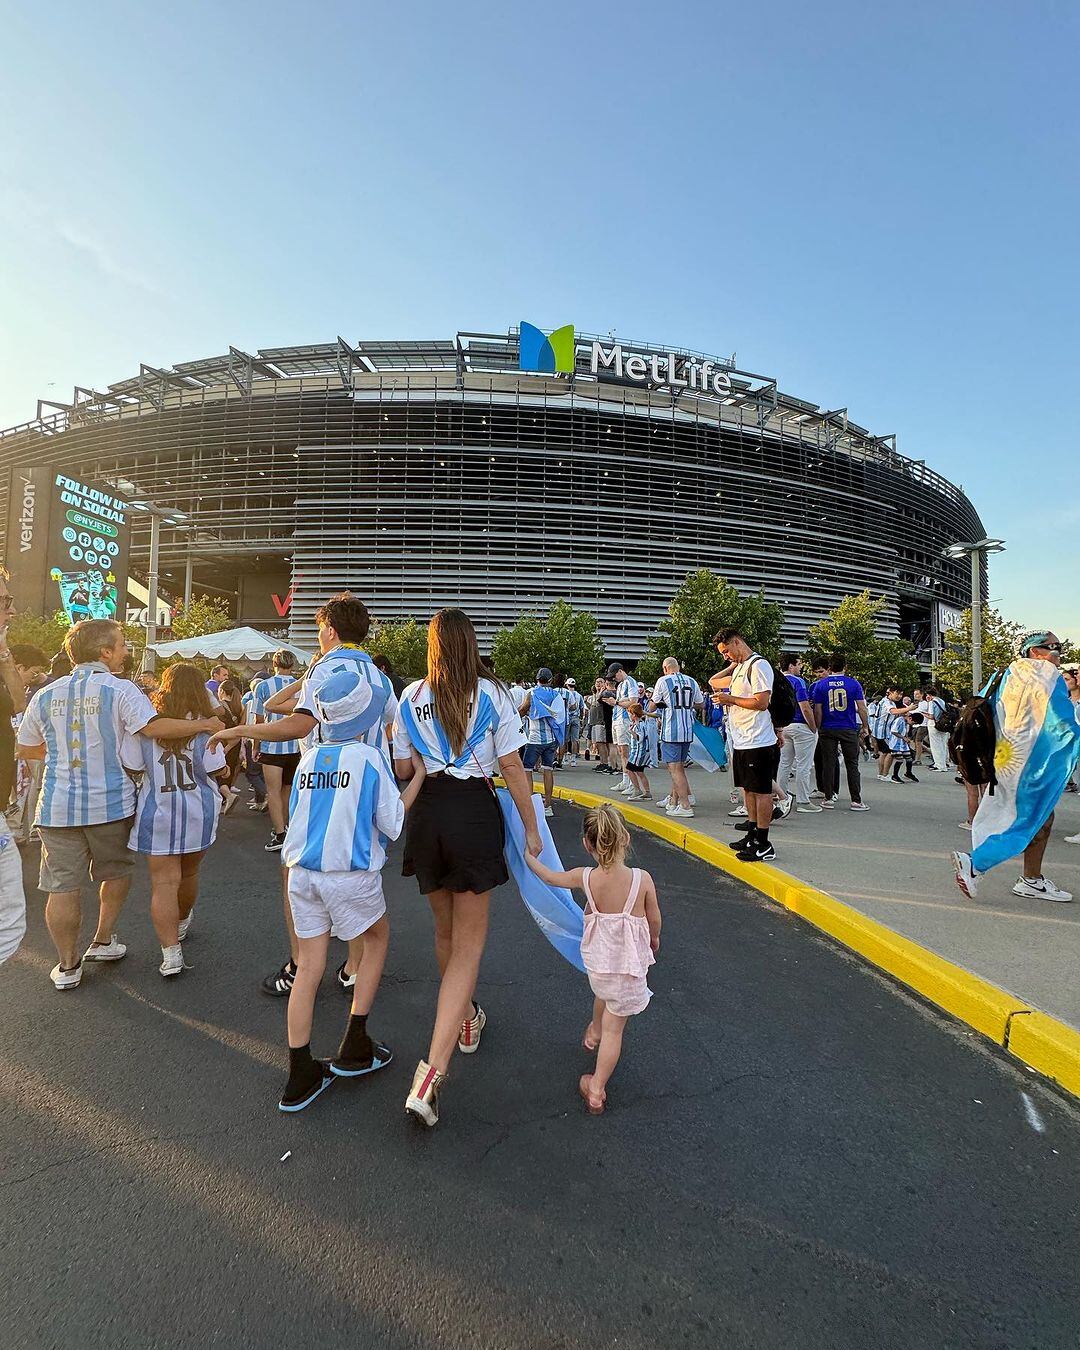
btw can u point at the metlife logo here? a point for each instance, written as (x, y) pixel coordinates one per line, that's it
(556, 354)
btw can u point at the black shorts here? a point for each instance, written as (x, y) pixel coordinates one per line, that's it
(755, 770)
(454, 837)
(286, 763)
(882, 747)
(638, 768)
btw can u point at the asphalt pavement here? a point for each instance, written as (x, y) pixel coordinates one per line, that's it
(796, 1153)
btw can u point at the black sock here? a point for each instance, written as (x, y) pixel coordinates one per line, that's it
(300, 1059)
(356, 1043)
(762, 837)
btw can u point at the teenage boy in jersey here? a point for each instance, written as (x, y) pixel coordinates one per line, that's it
(545, 711)
(677, 697)
(278, 765)
(800, 737)
(343, 624)
(626, 694)
(840, 709)
(755, 755)
(344, 806)
(76, 725)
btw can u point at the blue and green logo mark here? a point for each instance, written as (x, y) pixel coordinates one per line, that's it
(556, 353)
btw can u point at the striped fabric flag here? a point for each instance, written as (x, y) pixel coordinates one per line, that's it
(1038, 744)
(557, 916)
(710, 748)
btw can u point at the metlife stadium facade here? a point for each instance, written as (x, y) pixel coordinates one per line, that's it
(422, 474)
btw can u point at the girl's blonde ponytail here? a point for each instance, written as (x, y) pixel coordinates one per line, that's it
(606, 835)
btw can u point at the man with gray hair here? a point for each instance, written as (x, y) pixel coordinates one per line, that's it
(677, 698)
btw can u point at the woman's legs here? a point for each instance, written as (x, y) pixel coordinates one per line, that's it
(276, 799)
(165, 877)
(188, 890)
(468, 933)
(442, 911)
(310, 966)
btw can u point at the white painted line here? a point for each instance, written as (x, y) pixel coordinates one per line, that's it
(1034, 1119)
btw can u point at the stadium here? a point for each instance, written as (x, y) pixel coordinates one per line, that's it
(500, 472)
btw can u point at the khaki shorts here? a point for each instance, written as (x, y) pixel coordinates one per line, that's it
(620, 732)
(73, 855)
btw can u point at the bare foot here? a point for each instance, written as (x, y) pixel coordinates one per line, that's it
(590, 1041)
(594, 1102)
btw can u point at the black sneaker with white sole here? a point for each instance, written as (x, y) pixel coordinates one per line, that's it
(757, 853)
(274, 843)
(346, 983)
(279, 985)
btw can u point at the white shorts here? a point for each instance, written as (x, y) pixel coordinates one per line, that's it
(343, 903)
(620, 732)
(624, 995)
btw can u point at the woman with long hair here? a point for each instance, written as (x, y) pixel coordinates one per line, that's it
(177, 813)
(463, 723)
(230, 709)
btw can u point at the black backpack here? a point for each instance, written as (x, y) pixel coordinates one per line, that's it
(783, 704)
(948, 719)
(974, 738)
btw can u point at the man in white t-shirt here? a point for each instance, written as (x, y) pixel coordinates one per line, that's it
(626, 693)
(755, 756)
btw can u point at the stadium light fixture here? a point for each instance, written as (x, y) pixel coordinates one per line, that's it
(976, 552)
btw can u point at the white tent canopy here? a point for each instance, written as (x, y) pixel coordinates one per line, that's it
(234, 644)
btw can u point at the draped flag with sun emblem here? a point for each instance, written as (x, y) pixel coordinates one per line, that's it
(1038, 744)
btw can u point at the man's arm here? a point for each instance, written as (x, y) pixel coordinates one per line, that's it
(807, 711)
(290, 728)
(753, 702)
(285, 700)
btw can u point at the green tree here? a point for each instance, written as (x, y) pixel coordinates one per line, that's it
(565, 639)
(703, 604)
(205, 614)
(875, 662)
(403, 644)
(46, 633)
(1000, 639)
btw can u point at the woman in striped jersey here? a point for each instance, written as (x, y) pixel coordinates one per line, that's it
(177, 813)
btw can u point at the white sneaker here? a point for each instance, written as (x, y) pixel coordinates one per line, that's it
(105, 951)
(966, 876)
(1042, 888)
(693, 800)
(739, 811)
(1072, 838)
(858, 806)
(549, 810)
(573, 761)
(635, 796)
(172, 960)
(883, 777)
(810, 808)
(185, 924)
(816, 795)
(685, 812)
(66, 979)
(786, 806)
(666, 802)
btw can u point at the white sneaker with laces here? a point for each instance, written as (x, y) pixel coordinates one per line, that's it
(113, 950)
(1041, 888)
(693, 800)
(573, 761)
(185, 924)
(966, 876)
(1072, 838)
(859, 806)
(549, 811)
(66, 979)
(665, 802)
(172, 961)
(684, 812)
(739, 811)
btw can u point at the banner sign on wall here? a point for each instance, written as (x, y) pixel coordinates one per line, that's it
(67, 545)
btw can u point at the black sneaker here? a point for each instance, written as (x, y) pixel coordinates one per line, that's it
(911, 778)
(275, 842)
(743, 825)
(737, 844)
(298, 1095)
(600, 768)
(757, 853)
(280, 984)
(346, 983)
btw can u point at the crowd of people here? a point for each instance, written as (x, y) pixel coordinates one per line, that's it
(343, 758)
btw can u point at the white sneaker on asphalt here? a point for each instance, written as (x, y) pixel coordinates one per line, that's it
(549, 810)
(693, 800)
(1040, 889)
(859, 806)
(1072, 838)
(665, 802)
(786, 806)
(573, 761)
(966, 876)
(816, 795)
(172, 961)
(66, 979)
(683, 812)
(105, 951)
(828, 803)
(185, 924)
(883, 777)
(739, 811)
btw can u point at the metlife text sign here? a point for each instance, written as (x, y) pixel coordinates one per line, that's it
(664, 370)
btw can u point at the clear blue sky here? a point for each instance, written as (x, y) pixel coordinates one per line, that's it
(878, 208)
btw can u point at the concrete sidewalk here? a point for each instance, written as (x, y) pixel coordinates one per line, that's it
(892, 863)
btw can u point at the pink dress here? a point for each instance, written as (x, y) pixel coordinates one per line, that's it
(617, 952)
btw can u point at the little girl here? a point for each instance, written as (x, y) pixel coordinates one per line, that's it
(638, 762)
(622, 930)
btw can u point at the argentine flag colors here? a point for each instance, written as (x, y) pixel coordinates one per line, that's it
(710, 748)
(557, 915)
(1038, 744)
(344, 806)
(547, 714)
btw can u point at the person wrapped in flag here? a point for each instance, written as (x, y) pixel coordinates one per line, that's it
(1036, 751)
(545, 711)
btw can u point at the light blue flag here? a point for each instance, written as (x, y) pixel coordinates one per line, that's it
(710, 748)
(557, 916)
(1038, 744)
(548, 703)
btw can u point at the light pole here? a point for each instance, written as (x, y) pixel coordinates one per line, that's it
(172, 517)
(976, 552)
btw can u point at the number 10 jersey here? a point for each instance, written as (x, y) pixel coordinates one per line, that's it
(179, 802)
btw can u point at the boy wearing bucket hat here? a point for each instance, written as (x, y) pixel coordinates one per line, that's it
(345, 806)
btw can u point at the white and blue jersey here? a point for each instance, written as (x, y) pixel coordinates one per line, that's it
(354, 659)
(264, 691)
(678, 697)
(492, 730)
(575, 705)
(879, 726)
(639, 742)
(898, 730)
(82, 720)
(344, 807)
(546, 716)
(179, 802)
(627, 690)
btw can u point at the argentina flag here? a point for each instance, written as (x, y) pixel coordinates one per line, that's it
(558, 917)
(1038, 744)
(710, 748)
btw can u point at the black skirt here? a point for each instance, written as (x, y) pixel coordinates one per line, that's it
(454, 837)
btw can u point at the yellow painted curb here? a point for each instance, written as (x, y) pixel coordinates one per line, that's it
(1039, 1040)
(1049, 1046)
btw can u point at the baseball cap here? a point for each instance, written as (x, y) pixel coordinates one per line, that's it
(343, 704)
(544, 675)
(614, 669)
(571, 682)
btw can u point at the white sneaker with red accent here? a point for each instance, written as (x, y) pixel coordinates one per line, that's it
(966, 876)
(471, 1031)
(423, 1099)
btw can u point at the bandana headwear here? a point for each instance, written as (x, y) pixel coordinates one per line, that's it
(1037, 639)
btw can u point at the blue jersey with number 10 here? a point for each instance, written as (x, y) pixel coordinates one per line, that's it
(836, 696)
